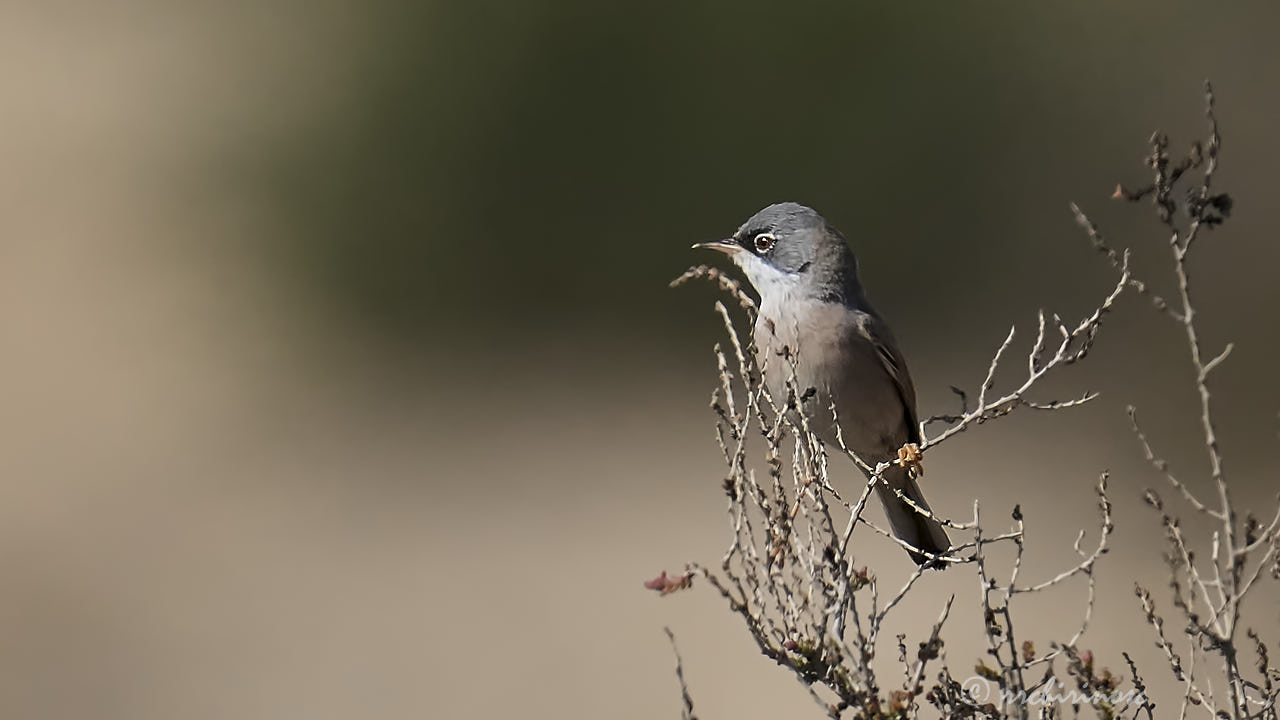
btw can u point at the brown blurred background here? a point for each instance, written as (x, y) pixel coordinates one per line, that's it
(342, 378)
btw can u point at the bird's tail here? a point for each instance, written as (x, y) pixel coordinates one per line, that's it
(908, 525)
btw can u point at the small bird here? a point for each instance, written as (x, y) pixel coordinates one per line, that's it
(812, 303)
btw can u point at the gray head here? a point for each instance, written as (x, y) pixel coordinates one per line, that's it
(789, 248)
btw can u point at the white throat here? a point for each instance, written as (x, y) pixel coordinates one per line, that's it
(777, 288)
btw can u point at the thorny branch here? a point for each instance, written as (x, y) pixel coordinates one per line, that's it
(686, 711)
(1208, 594)
(790, 570)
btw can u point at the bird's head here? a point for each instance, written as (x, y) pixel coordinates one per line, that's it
(790, 248)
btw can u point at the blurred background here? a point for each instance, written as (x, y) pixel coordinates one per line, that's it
(342, 378)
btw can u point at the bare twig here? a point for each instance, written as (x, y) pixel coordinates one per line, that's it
(686, 712)
(790, 570)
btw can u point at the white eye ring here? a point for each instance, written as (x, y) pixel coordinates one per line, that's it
(764, 241)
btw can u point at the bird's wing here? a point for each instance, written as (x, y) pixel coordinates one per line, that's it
(878, 333)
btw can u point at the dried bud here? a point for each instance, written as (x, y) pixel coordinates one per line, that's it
(930, 650)
(985, 671)
(665, 584)
(993, 625)
(910, 457)
(861, 579)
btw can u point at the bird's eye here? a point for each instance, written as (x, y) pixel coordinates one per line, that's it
(763, 242)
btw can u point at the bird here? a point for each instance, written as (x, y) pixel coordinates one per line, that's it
(814, 310)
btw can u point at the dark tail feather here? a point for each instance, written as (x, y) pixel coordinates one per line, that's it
(908, 525)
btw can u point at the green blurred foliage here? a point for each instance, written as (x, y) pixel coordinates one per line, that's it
(522, 165)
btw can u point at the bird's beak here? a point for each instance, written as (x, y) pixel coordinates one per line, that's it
(728, 246)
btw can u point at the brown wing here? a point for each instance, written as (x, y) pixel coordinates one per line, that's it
(896, 366)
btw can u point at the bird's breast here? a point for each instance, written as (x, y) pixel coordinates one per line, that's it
(820, 349)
